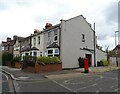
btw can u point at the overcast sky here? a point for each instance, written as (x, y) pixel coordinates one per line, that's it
(21, 17)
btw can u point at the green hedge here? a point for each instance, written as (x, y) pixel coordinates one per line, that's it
(6, 57)
(103, 62)
(29, 61)
(48, 60)
(17, 59)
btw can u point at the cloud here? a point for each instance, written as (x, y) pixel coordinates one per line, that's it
(21, 17)
(111, 13)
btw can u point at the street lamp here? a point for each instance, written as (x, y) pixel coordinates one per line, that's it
(116, 48)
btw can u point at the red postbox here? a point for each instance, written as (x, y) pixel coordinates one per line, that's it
(86, 65)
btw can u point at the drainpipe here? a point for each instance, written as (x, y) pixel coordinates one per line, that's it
(94, 46)
(59, 39)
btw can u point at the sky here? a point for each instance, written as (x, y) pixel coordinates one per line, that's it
(21, 17)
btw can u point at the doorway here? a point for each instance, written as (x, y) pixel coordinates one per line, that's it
(89, 56)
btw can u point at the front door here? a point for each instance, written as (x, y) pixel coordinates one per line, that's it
(89, 56)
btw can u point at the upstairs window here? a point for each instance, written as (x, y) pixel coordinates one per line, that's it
(83, 38)
(34, 41)
(38, 39)
(55, 35)
(48, 34)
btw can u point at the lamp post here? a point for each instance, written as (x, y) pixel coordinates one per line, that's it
(116, 48)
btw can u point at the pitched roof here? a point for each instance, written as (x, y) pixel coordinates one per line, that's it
(29, 49)
(34, 48)
(53, 45)
(9, 43)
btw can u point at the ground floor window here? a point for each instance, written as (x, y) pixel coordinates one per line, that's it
(53, 52)
(40, 53)
(34, 53)
(30, 53)
(26, 54)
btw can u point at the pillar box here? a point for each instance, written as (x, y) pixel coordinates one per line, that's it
(86, 65)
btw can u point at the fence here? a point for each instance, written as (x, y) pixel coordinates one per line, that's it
(112, 61)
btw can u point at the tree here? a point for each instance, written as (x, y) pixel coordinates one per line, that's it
(6, 57)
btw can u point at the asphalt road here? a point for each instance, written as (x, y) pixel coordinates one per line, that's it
(100, 82)
(4, 82)
(6, 86)
(0, 82)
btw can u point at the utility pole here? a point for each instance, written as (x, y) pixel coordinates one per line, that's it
(94, 46)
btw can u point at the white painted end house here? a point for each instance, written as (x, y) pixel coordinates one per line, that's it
(70, 40)
(76, 40)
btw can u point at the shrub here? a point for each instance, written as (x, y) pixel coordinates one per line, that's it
(17, 59)
(48, 60)
(55, 60)
(103, 62)
(29, 61)
(6, 57)
(81, 62)
(99, 63)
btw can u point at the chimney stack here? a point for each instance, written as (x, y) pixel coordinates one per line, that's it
(14, 37)
(36, 31)
(48, 25)
(8, 39)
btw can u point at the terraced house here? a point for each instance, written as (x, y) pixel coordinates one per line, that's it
(68, 40)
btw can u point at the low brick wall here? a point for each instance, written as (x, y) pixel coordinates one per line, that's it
(18, 65)
(43, 68)
(48, 67)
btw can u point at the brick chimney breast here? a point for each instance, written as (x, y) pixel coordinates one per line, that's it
(8, 39)
(48, 25)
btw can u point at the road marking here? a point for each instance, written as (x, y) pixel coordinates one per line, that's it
(97, 92)
(85, 87)
(68, 83)
(62, 85)
(4, 75)
(117, 89)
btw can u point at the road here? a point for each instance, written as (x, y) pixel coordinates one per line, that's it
(6, 83)
(92, 82)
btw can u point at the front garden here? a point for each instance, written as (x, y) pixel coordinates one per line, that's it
(41, 64)
(31, 63)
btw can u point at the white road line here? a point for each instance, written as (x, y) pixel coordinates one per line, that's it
(5, 75)
(62, 85)
(97, 91)
(66, 81)
(117, 89)
(71, 83)
(85, 87)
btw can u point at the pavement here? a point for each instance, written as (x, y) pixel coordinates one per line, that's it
(20, 75)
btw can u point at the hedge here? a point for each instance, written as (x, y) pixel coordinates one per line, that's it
(48, 60)
(6, 57)
(103, 62)
(29, 61)
(17, 59)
